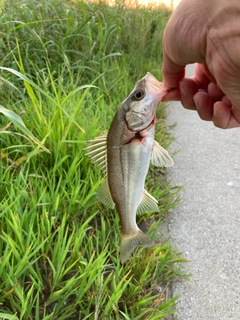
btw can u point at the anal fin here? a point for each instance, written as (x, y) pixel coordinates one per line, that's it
(147, 204)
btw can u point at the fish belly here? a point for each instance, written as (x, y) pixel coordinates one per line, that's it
(126, 180)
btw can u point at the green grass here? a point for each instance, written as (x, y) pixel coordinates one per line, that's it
(64, 68)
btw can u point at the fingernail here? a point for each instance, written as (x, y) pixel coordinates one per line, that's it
(196, 102)
(182, 87)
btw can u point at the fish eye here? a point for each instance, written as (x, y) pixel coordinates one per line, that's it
(138, 95)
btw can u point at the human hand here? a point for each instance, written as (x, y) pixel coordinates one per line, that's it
(207, 32)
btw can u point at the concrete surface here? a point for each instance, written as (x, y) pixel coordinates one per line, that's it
(205, 227)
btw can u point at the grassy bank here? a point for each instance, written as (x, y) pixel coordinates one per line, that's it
(64, 68)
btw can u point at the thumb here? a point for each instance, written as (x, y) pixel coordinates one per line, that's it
(172, 73)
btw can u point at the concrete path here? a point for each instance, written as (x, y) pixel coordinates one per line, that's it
(205, 227)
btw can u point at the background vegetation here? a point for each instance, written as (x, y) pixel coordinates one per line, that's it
(64, 68)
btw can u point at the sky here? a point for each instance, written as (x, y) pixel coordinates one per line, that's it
(133, 3)
(170, 3)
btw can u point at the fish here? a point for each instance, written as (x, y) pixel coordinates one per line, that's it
(124, 154)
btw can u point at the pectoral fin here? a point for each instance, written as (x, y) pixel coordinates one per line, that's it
(160, 156)
(104, 195)
(148, 204)
(97, 151)
(129, 243)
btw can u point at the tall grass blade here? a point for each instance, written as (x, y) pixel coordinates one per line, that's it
(15, 119)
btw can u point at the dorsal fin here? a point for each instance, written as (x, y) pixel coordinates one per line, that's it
(97, 151)
(160, 157)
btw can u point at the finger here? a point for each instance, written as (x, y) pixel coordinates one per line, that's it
(172, 73)
(226, 101)
(231, 90)
(215, 92)
(172, 95)
(204, 105)
(204, 74)
(201, 76)
(188, 88)
(224, 116)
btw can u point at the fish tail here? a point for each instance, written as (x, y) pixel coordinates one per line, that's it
(129, 243)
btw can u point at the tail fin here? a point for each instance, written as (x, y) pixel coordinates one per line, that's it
(129, 243)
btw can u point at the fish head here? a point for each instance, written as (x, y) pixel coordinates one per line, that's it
(141, 104)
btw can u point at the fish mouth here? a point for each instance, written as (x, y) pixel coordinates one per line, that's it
(155, 85)
(155, 88)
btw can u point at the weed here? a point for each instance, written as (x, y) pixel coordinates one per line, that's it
(65, 67)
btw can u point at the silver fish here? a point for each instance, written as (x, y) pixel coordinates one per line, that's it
(124, 154)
